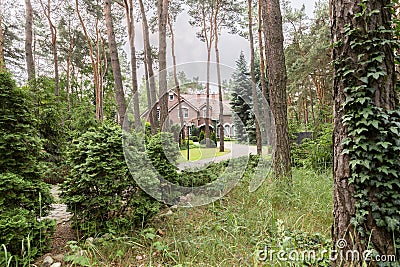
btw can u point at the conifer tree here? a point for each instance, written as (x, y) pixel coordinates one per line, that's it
(240, 102)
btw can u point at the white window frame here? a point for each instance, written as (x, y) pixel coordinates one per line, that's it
(185, 111)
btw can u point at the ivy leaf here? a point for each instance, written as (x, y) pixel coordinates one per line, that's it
(375, 124)
(378, 58)
(394, 130)
(364, 79)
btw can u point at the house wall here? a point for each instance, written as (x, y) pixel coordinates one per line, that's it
(173, 115)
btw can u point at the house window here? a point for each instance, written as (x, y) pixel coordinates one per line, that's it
(227, 131)
(171, 97)
(185, 113)
(204, 112)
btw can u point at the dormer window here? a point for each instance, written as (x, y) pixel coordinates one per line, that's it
(171, 97)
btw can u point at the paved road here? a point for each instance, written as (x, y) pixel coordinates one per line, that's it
(237, 150)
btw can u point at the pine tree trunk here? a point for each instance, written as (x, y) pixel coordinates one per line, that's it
(207, 118)
(131, 33)
(53, 31)
(344, 16)
(253, 80)
(95, 65)
(150, 76)
(220, 100)
(119, 90)
(162, 63)
(177, 86)
(2, 62)
(276, 70)
(30, 63)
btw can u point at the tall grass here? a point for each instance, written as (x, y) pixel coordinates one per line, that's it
(228, 232)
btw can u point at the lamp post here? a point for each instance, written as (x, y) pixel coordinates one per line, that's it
(187, 125)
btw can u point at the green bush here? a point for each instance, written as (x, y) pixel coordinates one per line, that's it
(194, 138)
(315, 153)
(26, 237)
(202, 136)
(24, 197)
(100, 192)
(164, 153)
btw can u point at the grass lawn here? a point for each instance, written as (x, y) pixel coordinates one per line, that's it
(200, 153)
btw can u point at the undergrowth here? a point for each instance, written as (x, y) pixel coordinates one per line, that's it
(230, 232)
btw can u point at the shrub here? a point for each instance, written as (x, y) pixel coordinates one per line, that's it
(100, 191)
(202, 136)
(26, 237)
(315, 153)
(23, 194)
(164, 153)
(213, 137)
(194, 138)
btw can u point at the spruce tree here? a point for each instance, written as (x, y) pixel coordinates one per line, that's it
(241, 102)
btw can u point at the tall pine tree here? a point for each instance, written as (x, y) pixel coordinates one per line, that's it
(241, 102)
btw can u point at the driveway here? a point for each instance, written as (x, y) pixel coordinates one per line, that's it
(237, 151)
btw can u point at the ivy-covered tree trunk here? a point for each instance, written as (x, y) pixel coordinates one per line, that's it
(366, 165)
(276, 70)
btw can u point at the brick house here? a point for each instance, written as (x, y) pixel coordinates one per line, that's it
(194, 111)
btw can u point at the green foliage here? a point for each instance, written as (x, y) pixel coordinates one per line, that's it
(202, 176)
(82, 118)
(17, 192)
(308, 61)
(213, 137)
(163, 153)
(310, 249)
(23, 195)
(240, 102)
(50, 122)
(194, 138)
(100, 191)
(26, 237)
(202, 136)
(373, 143)
(317, 153)
(195, 132)
(49, 118)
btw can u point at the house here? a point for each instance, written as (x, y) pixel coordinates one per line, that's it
(194, 111)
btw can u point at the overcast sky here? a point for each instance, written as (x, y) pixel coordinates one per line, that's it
(189, 49)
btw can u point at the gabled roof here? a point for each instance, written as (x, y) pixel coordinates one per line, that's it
(183, 100)
(198, 102)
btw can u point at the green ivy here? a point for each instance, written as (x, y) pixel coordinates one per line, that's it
(373, 143)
